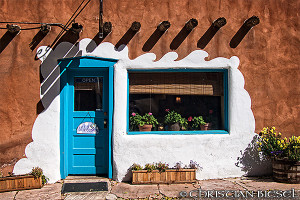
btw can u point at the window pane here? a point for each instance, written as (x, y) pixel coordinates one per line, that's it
(88, 93)
(190, 94)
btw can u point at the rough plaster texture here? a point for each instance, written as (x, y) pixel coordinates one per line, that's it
(217, 154)
(44, 150)
(269, 53)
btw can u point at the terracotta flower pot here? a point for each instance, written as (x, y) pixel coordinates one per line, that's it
(146, 127)
(204, 127)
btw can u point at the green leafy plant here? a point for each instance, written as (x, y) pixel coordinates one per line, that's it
(136, 167)
(197, 122)
(37, 172)
(161, 167)
(150, 167)
(139, 120)
(174, 117)
(271, 144)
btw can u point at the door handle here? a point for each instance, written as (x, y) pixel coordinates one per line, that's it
(105, 123)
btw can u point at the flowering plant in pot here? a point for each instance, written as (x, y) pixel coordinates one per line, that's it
(274, 146)
(284, 152)
(174, 120)
(143, 122)
(199, 123)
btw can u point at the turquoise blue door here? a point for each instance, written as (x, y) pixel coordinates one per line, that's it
(88, 131)
(86, 110)
(87, 121)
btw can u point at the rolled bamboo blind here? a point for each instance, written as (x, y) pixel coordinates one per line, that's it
(176, 83)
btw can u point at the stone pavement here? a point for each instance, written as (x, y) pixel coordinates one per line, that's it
(157, 191)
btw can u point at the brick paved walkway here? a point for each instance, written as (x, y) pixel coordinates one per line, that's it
(155, 191)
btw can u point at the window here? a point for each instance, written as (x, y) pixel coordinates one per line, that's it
(88, 93)
(188, 93)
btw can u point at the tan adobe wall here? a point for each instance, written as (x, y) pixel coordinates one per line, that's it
(269, 53)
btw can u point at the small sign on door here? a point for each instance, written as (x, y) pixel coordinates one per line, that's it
(87, 128)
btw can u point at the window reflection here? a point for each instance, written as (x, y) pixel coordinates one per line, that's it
(88, 93)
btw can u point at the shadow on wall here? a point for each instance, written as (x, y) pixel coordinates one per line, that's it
(242, 32)
(107, 27)
(252, 162)
(6, 39)
(45, 29)
(135, 27)
(184, 32)
(156, 35)
(210, 33)
(128, 175)
(50, 72)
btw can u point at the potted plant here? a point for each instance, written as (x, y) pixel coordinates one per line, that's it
(35, 179)
(199, 123)
(144, 123)
(284, 153)
(161, 173)
(174, 120)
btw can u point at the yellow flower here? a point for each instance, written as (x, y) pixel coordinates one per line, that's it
(279, 134)
(273, 127)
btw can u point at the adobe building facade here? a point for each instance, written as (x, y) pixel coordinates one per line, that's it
(66, 107)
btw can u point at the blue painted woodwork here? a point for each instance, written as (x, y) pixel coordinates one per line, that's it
(225, 101)
(85, 153)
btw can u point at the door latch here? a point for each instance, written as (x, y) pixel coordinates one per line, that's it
(105, 123)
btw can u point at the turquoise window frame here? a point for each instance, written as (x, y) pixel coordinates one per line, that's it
(197, 132)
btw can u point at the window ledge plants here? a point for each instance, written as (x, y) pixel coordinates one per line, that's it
(175, 121)
(284, 153)
(161, 173)
(34, 180)
(143, 122)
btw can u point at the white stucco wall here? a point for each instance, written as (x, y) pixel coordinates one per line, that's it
(217, 154)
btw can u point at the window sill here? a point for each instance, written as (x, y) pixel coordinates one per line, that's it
(178, 132)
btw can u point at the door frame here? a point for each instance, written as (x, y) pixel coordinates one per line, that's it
(80, 63)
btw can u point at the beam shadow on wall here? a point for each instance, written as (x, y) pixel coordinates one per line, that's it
(156, 35)
(242, 32)
(50, 72)
(107, 27)
(71, 36)
(6, 39)
(135, 27)
(45, 29)
(210, 33)
(185, 31)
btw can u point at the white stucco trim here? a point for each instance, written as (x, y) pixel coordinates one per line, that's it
(217, 154)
